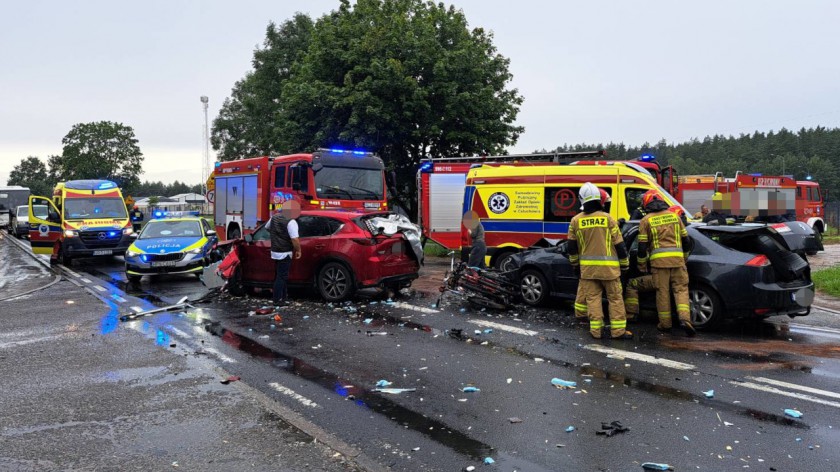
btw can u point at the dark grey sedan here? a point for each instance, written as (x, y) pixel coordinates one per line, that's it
(735, 272)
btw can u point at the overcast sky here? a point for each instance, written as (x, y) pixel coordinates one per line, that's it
(592, 71)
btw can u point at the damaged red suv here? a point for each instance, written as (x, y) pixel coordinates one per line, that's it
(341, 253)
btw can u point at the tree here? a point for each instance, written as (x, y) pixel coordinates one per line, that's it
(405, 78)
(100, 150)
(32, 173)
(153, 201)
(246, 123)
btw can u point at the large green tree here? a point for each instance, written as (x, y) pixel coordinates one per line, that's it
(246, 124)
(406, 78)
(31, 172)
(100, 150)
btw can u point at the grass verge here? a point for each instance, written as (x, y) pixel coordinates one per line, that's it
(434, 249)
(828, 281)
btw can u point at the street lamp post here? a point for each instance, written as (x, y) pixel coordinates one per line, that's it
(205, 168)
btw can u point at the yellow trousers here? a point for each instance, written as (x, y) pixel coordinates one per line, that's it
(668, 280)
(593, 290)
(636, 285)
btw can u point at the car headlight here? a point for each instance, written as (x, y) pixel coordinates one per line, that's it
(127, 231)
(131, 254)
(70, 233)
(197, 250)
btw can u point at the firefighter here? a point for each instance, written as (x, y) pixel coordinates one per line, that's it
(581, 313)
(715, 216)
(596, 250)
(664, 234)
(136, 218)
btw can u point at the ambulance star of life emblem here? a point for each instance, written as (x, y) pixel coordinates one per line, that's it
(498, 202)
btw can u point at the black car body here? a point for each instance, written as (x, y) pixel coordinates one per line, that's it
(734, 271)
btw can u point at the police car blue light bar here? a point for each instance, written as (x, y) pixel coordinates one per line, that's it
(160, 214)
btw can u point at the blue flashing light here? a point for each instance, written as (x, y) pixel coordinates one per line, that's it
(158, 214)
(337, 150)
(808, 177)
(647, 158)
(217, 164)
(359, 153)
(426, 166)
(756, 174)
(111, 234)
(144, 258)
(106, 185)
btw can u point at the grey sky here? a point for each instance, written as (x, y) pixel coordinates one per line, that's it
(590, 71)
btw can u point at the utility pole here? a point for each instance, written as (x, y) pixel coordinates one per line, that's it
(205, 168)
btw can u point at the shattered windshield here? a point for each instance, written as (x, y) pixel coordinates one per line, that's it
(94, 207)
(347, 183)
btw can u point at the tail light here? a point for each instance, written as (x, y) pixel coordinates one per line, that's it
(762, 311)
(758, 261)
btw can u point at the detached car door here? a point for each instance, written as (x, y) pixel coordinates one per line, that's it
(44, 232)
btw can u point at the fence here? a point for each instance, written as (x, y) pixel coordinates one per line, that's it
(832, 217)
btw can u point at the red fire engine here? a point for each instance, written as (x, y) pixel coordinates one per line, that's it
(441, 182)
(245, 192)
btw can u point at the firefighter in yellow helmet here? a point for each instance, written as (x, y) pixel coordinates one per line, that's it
(663, 248)
(596, 250)
(581, 311)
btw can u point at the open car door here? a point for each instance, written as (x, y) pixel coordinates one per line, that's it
(43, 233)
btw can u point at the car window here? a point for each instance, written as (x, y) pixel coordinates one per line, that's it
(23, 211)
(261, 234)
(280, 176)
(310, 226)
(633, 198)
(561, 203)
(333, 225)
(206, 225)
(171, 229)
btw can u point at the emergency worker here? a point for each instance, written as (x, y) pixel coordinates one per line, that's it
(597, 251)
(664, 234)
(581, 313)
(704, 210)
(136, 218)
(715, 216)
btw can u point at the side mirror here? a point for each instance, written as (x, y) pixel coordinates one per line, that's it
(317, 167)
(249, 238)
(210, 233)
(134, 235)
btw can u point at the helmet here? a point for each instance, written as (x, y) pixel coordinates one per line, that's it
(717, 197)
(605, 197)
(677, 210)
(588, 193)
(649, 197)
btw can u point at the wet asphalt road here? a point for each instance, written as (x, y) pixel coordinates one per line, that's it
(320, 362)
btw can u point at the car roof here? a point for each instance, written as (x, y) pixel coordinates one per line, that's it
(184, 218)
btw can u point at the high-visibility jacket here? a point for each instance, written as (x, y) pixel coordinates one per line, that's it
(664, 234)
(597, 246)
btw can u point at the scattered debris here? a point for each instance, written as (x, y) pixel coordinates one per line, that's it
(376, 333)
(232, 378)
(182, 304)
(470, 389)
(569, 429)
(509, 380)
(560, 383)
(611, 429)
(368, 321)
(264, 311)
(469, 468)
(306, 317)
(394, 391)
(278, 318)
(488, 331)
(655, 466)
(488, 460)
(709, 394)
(686, 438)
(539, 359)
(515, 420)
(793, 413)
(383, 383)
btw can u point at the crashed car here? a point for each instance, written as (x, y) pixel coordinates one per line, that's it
(736, 271)
(341, 252)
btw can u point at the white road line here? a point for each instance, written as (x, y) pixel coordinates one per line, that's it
(31, 341)
(178, 332)
(137, 309)
(118, 298)
(70, 271)
(827, 310)
(800, 396)
(291, 393)
(86, 280)
(409, 306)
(793, 386)
(821, 329)
(504, 327)
(640, 357)
(100, 288)
(219, 355)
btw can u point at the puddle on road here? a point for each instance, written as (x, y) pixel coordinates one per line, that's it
(435, 430)
(762, 350)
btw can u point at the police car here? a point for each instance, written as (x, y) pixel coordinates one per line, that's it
(170, 244)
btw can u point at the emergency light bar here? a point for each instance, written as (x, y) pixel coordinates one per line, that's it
(646, 158)
(355, 152)
(161, 215)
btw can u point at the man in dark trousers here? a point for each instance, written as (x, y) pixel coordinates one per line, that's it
(136, 218)
(285, 244)
(479, 248)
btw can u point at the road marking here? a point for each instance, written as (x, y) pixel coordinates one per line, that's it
(409, 306)
(136, 309)
(800, 396)
(218, 354)
(640, 357)
(821, 329)
(793, 386)
(87, 281)
(291, 393)
(827, 310)
(178, 332)
(31, 341)
(504, 327)
(118, 298)
(70, 271)
(100, 288)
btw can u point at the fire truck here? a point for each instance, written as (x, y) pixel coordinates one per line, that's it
(441, 183)
(246, 192)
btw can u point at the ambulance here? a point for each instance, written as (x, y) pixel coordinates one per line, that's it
(521, 207)
(84, 218)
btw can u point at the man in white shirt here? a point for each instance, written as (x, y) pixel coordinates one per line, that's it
(285, 244)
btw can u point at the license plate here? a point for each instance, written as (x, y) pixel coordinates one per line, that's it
(164, 264)
(372, 205)
(103, 252)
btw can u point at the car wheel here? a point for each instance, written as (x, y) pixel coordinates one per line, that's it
(335, 282)
(533, 287)
(63, 258)
(134, 279)
(234, 285)
(706, 307)
(505, 262)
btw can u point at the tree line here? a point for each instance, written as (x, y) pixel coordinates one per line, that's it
(809, 151)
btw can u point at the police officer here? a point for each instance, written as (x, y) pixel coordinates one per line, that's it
(581, 310)
(285, 244)
(596, 250)
(136, 218)
(664, 234)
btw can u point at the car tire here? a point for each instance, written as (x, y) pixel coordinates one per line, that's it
(706, 306)
(819, 237)
(533, 287)
(503, 262)
(234, 285)
(335, 282)
(63, 258)
(133, 279)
